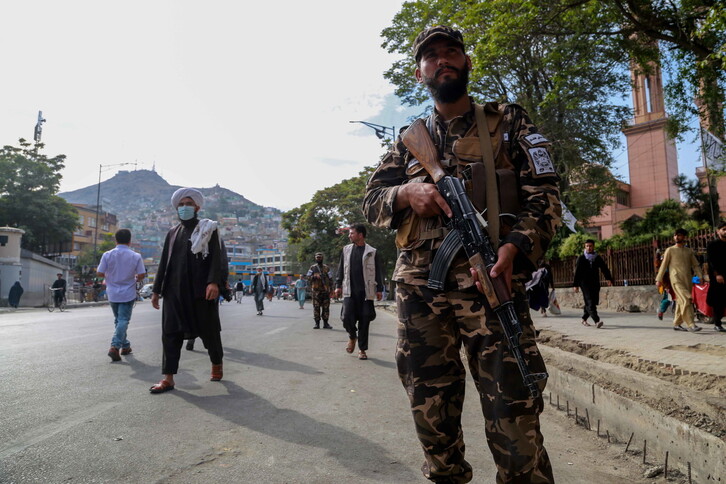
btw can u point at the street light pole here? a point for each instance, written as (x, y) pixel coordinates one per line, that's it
(381, 131)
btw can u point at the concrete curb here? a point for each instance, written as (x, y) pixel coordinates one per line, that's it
(622, 417)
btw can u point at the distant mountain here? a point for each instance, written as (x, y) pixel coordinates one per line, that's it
(129, 191)
(141, 200)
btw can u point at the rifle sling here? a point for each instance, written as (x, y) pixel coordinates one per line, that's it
(492, 192)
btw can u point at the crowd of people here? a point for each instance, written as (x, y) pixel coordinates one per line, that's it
(436, 326)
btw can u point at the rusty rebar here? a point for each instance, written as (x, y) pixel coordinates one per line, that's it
(665, 467)
(587, 418)
(645, 445)
(598, 427)
(629, 440)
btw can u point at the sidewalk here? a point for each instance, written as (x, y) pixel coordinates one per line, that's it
(644, 336)
(641, 335)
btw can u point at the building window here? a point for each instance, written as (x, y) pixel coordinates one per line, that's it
(80, 219)
(76, 246)
(91, 222)
(623, 198)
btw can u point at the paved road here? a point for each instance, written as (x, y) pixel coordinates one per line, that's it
(293, 407)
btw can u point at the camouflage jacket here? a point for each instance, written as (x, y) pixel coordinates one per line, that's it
(518, 149)
(320, 280)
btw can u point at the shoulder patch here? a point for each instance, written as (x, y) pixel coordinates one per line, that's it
(541, 161)
(536, 139)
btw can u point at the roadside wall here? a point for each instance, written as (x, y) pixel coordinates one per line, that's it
(643, 299)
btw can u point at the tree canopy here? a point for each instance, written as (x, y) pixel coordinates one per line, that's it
(569, 83)
(567, 62)
(29, 181)
(315, 226)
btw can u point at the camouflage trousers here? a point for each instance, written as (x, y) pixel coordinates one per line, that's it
(432, 328)
(321, 306)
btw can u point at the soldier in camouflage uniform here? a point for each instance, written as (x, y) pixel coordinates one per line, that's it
(434, 325)
(320, 284)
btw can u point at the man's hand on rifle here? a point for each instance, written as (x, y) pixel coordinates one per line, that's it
(504, 266)
(423, 198)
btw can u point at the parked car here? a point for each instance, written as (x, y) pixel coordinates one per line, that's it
(145, 291)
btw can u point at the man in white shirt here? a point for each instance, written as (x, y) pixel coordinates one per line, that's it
(122, 268)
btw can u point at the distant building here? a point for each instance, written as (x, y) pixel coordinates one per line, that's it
(652, 159)
(83, 237)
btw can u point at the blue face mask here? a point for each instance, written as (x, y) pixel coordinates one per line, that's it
(185, 213)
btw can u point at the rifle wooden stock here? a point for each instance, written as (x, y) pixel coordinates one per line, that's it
(419, 143)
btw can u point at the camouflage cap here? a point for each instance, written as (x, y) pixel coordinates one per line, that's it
(319, 254)
(436, 31)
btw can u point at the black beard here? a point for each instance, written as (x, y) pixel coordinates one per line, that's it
(447, 92)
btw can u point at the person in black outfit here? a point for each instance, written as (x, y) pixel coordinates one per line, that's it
(60, 284)
(189, 279)
(716, 297)
(359, 281)
(587, 277)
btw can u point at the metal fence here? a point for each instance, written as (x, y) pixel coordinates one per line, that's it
(632, 266)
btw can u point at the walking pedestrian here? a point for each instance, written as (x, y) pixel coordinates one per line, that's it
(321, 285)
(300, 291)
(188, 279)
(716, 297)
(360, 280)
(260, 286)
(434, 324)
(14, 295)
(681, 264)
(538, 289)
(587, 277)
(121, 268)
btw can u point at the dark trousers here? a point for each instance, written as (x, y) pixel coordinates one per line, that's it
(173, 343)
(718, 312)
(592, 299)
(357, 310)
(259, 301)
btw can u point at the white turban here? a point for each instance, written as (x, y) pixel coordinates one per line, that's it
(192, 193)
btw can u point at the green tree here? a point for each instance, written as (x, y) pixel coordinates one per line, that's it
(315, 226)
(567, 83)
(702, 202)
(686, 37)
(29, 181)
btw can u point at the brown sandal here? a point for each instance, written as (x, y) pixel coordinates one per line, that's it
(362, 355)
(161, 387)
(351, 345)
(216, 372)
(585, 323)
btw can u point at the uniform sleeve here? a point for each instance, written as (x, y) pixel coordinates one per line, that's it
(541, 211)
(382, 189)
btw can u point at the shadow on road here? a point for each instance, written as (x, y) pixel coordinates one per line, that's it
(351, 450)
(264, 360)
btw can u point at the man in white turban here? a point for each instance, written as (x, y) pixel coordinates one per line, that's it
(192, 193)
(189, 279)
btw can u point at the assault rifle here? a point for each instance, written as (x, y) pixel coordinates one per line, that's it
(467, 231)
